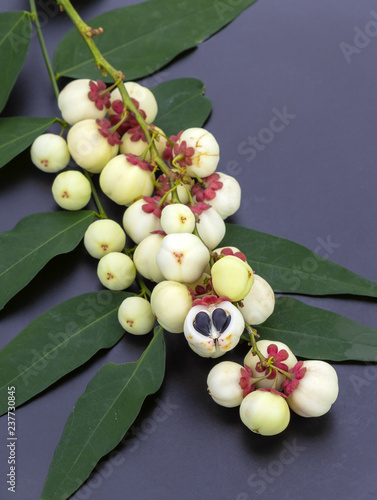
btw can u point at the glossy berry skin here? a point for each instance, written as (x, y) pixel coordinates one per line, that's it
(104, 236)
(116, 271)
(136, 316)
(75, 105)
(259, 303)
(265, 412)
(232, 278)
(223, 384)
(316, 391)
(50, 153)
(71, 190)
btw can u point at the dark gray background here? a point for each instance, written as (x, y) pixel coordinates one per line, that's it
(314, 182)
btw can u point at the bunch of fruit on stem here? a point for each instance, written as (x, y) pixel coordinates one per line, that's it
(176, 203)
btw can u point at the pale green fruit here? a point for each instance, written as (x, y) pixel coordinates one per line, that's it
(259, 303)
(252, 361)
(232, 278)
(207, 151)
(171, 302)
(223, 384)
(316, 391)
(75, 105)
(71, 190)
(49, 152)
(182, 257)
(124, 182)
(116, 271)
(88, 147)
(265, 412)
(136, 316)
(177, 218)
(104, 236)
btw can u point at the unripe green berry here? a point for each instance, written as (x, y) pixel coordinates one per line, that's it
(223, 384)
(104, 236)
(232, 278)
(136, 316)
(49, 152)
(116, 271)
(124, 182)
(171, 301)
(265, 412)
(88, 147)
(71, 190)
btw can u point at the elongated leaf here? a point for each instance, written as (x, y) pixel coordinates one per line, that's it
(58, 341)
(181, 105)
(140, 39)
(314, 333)
(15, 35)
(33, 242)
(102, 416)
(17, 133)
(293, 268)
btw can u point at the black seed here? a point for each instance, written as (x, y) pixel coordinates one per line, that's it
(202, 323)
(220, 319)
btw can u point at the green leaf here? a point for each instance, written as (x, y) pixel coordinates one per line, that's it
(35, 240)
(15, 35)
(315, 333)
(140, 39)
(181, 105)
(293, 268)
(58, 341)
(102, 416)
(17, 133)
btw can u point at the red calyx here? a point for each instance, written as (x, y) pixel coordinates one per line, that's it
(105, 131)
(97, 95)
(207, 193)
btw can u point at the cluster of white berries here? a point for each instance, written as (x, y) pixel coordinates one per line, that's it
(176, 203)
(272, 382)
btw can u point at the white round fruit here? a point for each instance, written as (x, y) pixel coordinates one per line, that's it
(116, 271)
(49, 152)
(182, 257)
(136, 316)
(88, 147)
(259, 303)
(177, 218)
(104, 236)
(138, 147)
(223, 384)
(145, 257)
(211, 228)
(316, 391)
(71, 190)
(265, 412)
(75, 105)
(228, 198)
(207, 152)
(139, 224)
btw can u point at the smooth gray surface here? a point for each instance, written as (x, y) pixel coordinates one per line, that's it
(315, 181)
